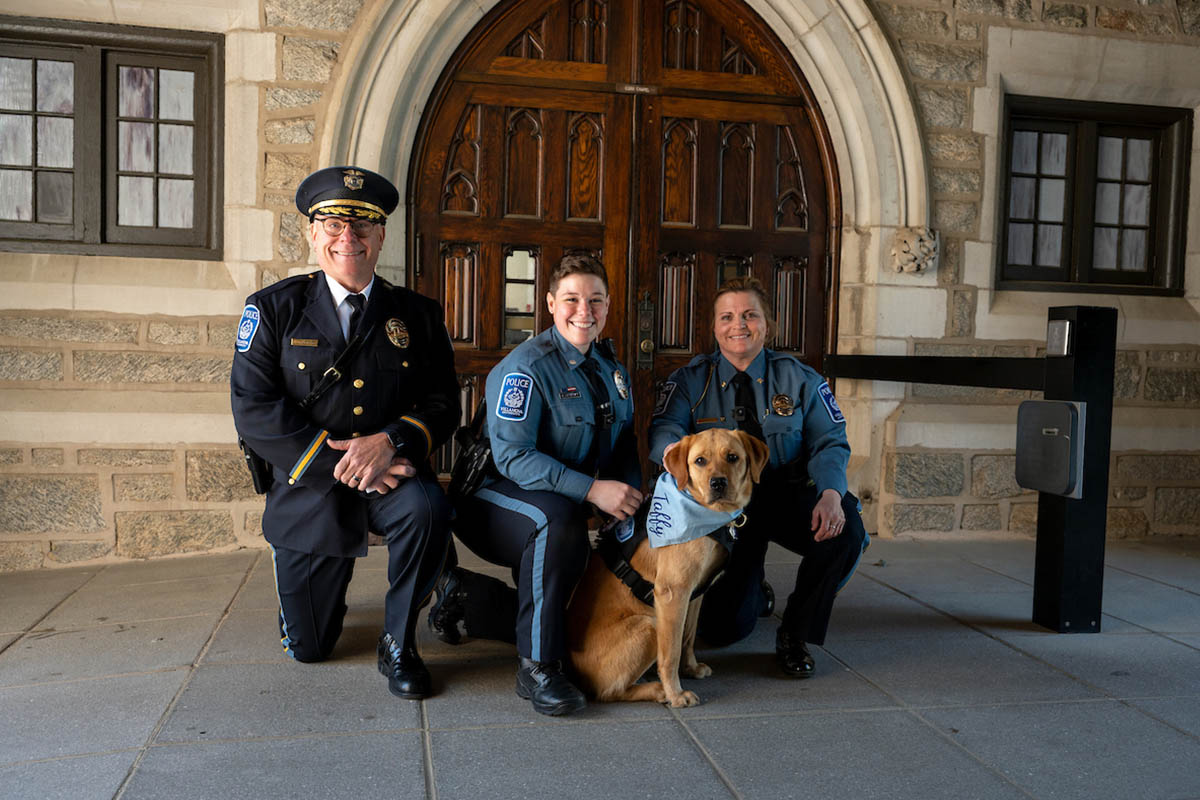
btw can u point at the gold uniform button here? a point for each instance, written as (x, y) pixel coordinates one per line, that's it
(291, 481)
(358, 410)
(301, 365)
(358, 383)
(405, 364)
(355, 435)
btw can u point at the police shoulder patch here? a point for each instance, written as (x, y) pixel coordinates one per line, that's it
(247, 327)
(664, 397)
(513, 403)
(830, 402)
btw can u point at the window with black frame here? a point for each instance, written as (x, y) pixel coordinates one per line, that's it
(110, 139)
(1095, 196)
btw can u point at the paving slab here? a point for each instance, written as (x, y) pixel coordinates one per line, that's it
(173, 568)
(1090, 751)
(81, 717)
(66, 778)
(919, 577)
(286, 699)
(1173, 561)
(1160, 608)
(1182, 712)
(96, 605)
(259, 590)
(652, 759)
(8, 638)
(110, 650)
(247, 636)
(28, 596)
(362, 766)
(1006, 614)
(864, 754)
(867, 609)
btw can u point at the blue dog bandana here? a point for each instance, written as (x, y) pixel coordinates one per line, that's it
(675, 516)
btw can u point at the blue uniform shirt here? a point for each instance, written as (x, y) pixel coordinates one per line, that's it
(541, 417)
(799, 416)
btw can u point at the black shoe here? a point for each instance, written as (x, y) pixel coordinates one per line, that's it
(793, 656)
(544, 684)
(769, 605)
(449, 610)
(405, 671)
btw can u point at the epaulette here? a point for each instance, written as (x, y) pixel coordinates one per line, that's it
(287, 283)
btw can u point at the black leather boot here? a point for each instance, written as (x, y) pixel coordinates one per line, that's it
(544, 684)
(446, 616)
(768, 600)
(405, 671)
(793, 656)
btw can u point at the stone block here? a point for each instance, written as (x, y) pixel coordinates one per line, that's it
(908, 21)
(981, 518)
(70, 552)
(949, 261)
(111, 457)
(20, 555)
(1130, 21)
(966, 31)
(290, 131)
(1173, 385)
(1158, 468)
(309, 60)
(994, 476)
(222, 334)
(116, 367)
(170, 333)
(1125, 523)
(253, 526)
(141, 534)
(30, 365)
(943, 62)
(956, 181)
(1127, 375)
(1019, 9)
(286, 170)
(994, 8)
(925, 474)
(953, 147)
(217, 476)
(44, 503)
(326, 15)
(1022, 518)
(1068, 15)
(1189, 13)
(1177, 505)
(287, 97)
(952, 216)
(1129, 493)
(143, 488)
(65, 329)
(1172, 356)
(943, 107)
(293, 242)
(1012, 351)
(10, 455)
(962, 313)
(47, 457)
(908, 517)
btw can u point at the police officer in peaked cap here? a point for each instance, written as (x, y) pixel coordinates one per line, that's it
(357, 458)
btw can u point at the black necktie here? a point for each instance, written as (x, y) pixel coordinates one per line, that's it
(356, 301)
(745, 409)
(605, 416)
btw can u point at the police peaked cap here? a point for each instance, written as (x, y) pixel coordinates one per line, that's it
(347, 192)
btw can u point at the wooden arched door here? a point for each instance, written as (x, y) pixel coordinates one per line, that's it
(675, 139)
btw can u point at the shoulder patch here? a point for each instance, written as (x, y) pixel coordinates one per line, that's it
(513, 403)
(830, 402)
(664, 398)
(247, 327)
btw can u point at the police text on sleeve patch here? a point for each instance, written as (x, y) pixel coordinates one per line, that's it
(247, 328)
(515, 389)
(664, 397)
(830, 402)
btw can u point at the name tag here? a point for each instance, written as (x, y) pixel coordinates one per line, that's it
(305, 342)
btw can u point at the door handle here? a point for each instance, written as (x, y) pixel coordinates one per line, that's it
(646, 346)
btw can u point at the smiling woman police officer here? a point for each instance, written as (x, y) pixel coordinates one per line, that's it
(357, 457)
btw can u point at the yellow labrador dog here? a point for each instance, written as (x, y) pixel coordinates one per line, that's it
(615, 637)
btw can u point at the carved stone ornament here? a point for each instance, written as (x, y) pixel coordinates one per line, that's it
(914, 250)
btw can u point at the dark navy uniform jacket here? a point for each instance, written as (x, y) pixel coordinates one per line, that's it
(401, 382)
(541, 417)
(799, 416)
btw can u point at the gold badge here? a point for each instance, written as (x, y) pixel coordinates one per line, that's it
(622, 386)
(353, 179)
(397, 333)
(783, 405)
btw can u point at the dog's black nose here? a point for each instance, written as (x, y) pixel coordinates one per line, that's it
(718, 485)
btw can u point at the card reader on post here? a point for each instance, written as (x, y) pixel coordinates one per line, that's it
(1050, 446)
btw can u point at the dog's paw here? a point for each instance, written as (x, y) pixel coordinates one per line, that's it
(685, 699)
(701, 670)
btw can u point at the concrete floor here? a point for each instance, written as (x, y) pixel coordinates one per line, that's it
(165, 679)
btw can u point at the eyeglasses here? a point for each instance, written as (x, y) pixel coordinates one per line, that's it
(334, 226)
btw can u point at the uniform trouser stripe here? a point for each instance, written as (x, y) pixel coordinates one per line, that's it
(284, 639)
(535, 515)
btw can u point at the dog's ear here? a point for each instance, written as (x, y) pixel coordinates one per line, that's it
(756, 452)
(675, 462)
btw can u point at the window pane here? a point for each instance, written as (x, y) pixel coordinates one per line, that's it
(54, 197)
(1024, 158)
(174, 204)
(135, 201)
(1049, 245)
(16, 84)
(175, 92)
(1108, 201)
(135, 146)
(136, 91)
(1133, 250)
(1137, 167)
(1021, 206)
(56, 87)
(56, 142)
(1050, 199)
(1108, 161)
(16, 140)
(520, 265)
(1104, 253)
(16, 194)
(1020, 244)
(1054, 154)
(1137, 204)
(518, 297)
(175, 149)
(517, 330)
